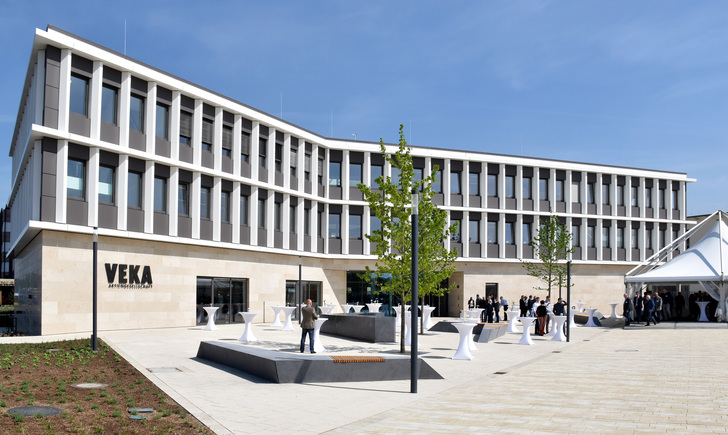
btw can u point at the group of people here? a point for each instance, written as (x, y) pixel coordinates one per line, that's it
(655, 307)
(529, 306)
(491, 308)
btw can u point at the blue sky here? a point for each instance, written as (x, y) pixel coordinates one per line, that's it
(640, 84)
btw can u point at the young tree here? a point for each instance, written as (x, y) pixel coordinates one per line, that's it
(390, 201)
(551, 244)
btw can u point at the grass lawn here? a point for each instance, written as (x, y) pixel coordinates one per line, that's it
(46, 374)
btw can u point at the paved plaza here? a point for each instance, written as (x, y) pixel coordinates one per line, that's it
(668, 378)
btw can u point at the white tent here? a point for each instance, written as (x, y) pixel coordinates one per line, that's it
(705, 262)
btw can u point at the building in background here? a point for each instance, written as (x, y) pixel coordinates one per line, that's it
(200, 199)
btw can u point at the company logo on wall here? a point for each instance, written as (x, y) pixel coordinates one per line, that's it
(127, 276)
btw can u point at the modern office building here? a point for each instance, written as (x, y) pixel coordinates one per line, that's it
(199, 199)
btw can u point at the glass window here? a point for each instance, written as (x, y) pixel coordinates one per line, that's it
(605, 237)
(543, 189)
(455, 183)
(675, 199)
(560, 190)
(527, 188)
(474, 231)
(224, 206)
(294, 162)
(162, 127)
(635, 201)
(262, 152)
(575, 192)
(279, 158)
(510, 234)
(510, 186)
(437, 183)
(334, 225)
(526, 228)
(277, 216)
(160, 194)
(79, 95)
(183, 199)
(306, 221)
(590, 241)
(76, 179)
(355, 226)
(605, 194)
(635, 238)
(205, 202)
(208, 134)
(136, 113)
(245, 147)
(227, 141)
(648, 197)
(474, 183)
(620, 194)
(261, 213)
(492, 185)
(244, 209)
(395, 176)
(134, 198)
(185, 128)
(648, 238)
(109, 103)
(492, 232)
(376, 173)
(106, 184)
(575, 235)
(620, 237)
(661, 235)
(307, 167)
(455, 235)
(590, 193)
(375, 224)
(292, 219)
(354, 174)
(334, 173)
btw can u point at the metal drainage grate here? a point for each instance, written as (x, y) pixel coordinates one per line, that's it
(627, 350)
(500, 373)
(555, 351)
(164, 369)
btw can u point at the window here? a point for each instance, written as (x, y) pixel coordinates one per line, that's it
(354, 174)
(575, 191)
(635, 201)
(575, 235)
(208, 133)
(648, 197)
(635, 243)
(79, 95)
(294, 162)
(245, 147)
(375, 224)
(183, 199)
(277, 216)
(395, 176)
(474, 183)
(590, 242)
(225, 206)
(162, 127)
(455, 182)
(106, 184)
(134, 198)
(527, 188)
(560, 190)
(376, 173)
(334, 225)
(109, 103)
(620, 238)
(307, 167)
(661, 198)
(160, 194)
(262, 152)
(76, 179)
(334, 174)
(620, 194)
(510, 234)
(244, 209)
(261, 213)
(185, 128)
(306, 221)
(355, 226)
(526, 228)
(492, 232)
(675, 199)
(474, 231)
(227, 141)
(437, 183)
(543, 189)
(136, 113)
(590, 193)
(292, 219)
(605, 237)
(510, 186)
(605, 194)
(320, 171)
(205, 202)
(455, 234)
(661, 236)
(279, 158)
(492, 185)
(648, 238)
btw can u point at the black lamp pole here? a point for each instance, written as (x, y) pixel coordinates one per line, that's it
(568, 298)
(415, 285)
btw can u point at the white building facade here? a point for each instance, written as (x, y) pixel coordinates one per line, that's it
(199, 199)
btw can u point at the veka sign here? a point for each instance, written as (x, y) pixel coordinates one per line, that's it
(127, 276)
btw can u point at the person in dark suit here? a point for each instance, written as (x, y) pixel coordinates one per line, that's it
(523, 306)
(627, 308)
(308, 324)
(638, 302)
(649, 309)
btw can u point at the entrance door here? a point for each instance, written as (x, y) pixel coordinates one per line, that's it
(229, 295)
(309, 290)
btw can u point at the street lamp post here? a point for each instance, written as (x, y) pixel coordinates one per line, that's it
(94, 336)
(568, 298)
(415, 284)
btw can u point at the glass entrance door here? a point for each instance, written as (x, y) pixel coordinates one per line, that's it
(229, 295)
(309, 290)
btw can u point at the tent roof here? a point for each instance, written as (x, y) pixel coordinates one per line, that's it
(707, 260)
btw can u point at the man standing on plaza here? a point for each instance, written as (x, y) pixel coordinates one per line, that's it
(504, 304)
(308, 324)
(649, 309)
(627, 308)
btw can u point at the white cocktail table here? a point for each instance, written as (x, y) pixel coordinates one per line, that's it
(248, 333)
(346, 308)
(210, 318)
(317, 345)
(580, 306)
(374, 307)
(276, 318)
(427, 312)
(512, 322)
(558, 326)
(703, 315)
(466, 337)
(614, 309)
(287, 313)
(357, 308)
(526, 337)
(590, 322)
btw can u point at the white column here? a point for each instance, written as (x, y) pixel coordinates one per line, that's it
(174, 125)
(501, 235)
(92, 184)
(94, 110)
(253, 212)
(124, 104)
(235, 206)
(598, 194)
(286, 166)
(237, 132)
(269, 211)
(215, 207)
(148, 190)
(64, 91)
(446, 183)
(195, 204)
(286, 219)
(197, 134)
(519, 192)
(270, 161)
(217, 144)
(150, 116)
(344, 227)
(122, 191)
(345, 176)
(254, 145)
(37, 157)
(61, 181)
(173, 200)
